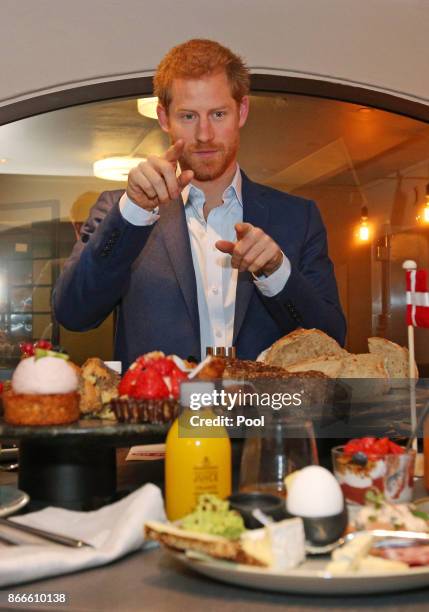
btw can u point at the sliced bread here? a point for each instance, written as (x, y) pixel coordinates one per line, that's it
(373, 377)
(329, 365)
(396, 359)
(301, 345)
(369, 369)
(214, 546)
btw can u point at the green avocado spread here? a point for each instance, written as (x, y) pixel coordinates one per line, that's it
(213, 516)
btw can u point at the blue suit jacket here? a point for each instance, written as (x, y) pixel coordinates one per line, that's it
(147, 274)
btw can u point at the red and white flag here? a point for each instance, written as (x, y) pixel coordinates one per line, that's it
(417, 298)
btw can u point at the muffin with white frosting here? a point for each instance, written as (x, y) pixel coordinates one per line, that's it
(43, 391)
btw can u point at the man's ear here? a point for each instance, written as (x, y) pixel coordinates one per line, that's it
(163, 118)
(243, 110)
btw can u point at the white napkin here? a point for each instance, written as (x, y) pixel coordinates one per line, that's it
(114, 531)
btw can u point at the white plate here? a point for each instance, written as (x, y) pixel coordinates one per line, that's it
(11, 500)
(309, 579)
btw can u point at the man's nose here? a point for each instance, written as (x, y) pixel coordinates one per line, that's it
(204, 131)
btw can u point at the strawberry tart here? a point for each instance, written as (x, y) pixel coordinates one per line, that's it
(149, 390)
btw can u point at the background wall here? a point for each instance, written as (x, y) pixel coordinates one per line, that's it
(50, 45)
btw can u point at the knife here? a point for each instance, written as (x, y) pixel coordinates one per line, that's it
(46, 535)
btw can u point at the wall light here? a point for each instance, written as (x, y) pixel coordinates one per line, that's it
(147, 107)
(115, 168)
(364, 229)
(425, 211)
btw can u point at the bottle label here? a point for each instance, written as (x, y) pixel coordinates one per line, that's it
(206, 478)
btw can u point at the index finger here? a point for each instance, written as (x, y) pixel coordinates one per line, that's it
(173, 153)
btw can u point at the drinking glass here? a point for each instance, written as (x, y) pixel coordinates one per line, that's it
(267, 460)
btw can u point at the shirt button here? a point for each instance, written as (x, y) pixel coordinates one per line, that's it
(215, 290)
(218, 334)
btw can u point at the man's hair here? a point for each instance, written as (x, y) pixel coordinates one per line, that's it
(197, 58)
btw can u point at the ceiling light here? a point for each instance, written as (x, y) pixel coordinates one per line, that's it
(115, 168)
(3, 160)
(147, 107)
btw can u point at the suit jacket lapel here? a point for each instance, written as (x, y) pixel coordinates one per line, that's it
(256, 213)
(176, 239)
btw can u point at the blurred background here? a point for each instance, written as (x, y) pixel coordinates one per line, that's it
(367, 169)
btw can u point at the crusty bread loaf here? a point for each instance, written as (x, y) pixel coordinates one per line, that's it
(214, 546)
(329, 365)
(372, 374)
(369, 369)
(301, 345)
(396, 359)
(363, 365)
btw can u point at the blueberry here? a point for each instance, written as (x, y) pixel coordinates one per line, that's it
(360, 458)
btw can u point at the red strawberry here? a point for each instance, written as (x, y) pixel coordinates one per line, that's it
(1, 388)
(128, 381)
(163, 365)
(150, 385)
(352, 447)
(367, 443)
(177, 377)
(380, 447)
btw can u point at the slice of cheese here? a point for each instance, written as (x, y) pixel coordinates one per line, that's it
(347, 558)
(279, 545)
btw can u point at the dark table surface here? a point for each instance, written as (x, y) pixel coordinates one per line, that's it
(151, 580)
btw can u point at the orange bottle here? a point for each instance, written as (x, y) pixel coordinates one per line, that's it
(197, 454)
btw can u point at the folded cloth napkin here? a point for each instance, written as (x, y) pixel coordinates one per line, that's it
(114, 531)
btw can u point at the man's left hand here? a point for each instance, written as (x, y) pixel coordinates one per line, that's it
(254, 250)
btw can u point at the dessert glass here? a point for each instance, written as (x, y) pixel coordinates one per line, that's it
(392, 474)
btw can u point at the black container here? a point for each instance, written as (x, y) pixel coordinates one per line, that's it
(324, 530)
(245, 503)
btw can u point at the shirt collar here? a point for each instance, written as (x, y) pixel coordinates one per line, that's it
(196, 196)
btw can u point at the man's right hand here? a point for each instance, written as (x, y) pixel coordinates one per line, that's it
(154, 182)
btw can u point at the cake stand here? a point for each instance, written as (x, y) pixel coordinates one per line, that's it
(74, 466)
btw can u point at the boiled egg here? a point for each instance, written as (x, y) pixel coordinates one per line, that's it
(314, 492)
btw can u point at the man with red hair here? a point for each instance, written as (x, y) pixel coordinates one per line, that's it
(194, 254)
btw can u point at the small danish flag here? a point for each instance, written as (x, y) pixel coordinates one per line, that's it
(417, 298)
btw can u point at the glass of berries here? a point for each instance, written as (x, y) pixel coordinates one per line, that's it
(370, 463)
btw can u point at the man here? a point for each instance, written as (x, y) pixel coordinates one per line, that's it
(194, 254)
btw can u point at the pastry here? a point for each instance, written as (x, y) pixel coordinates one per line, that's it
(98, 385)
(43, 391)
(149, 390)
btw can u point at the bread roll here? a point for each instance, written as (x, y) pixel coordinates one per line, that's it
(301, 345)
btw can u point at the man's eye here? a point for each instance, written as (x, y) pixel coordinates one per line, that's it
(219, 114)
(187, 116)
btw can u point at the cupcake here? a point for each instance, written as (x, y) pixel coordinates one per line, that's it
(43, 391)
